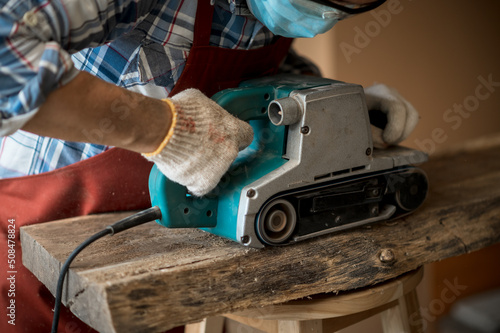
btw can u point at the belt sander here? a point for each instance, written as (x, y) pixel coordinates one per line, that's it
(310, 170)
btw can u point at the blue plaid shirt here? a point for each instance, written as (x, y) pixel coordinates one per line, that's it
(141, 45)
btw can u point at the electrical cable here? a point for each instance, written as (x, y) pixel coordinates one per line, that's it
(137, 219)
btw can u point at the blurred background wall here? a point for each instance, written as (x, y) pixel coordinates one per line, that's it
(444, 57)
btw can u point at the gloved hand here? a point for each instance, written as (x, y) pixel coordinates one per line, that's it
(203, 141)
(401, 115)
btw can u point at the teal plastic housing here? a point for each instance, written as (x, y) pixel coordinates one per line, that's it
(217, 212)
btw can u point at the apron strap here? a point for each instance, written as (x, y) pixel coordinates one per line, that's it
(203, 23)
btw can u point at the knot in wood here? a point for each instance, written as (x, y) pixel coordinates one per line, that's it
(387, 256)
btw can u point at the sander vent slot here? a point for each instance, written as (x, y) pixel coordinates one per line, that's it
(363, 167)
(328, 175)
(338, 173)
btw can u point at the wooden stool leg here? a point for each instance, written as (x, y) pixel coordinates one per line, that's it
(207, 325)
(404, 317)
(303, 326)
(277, 326)
(413, 308)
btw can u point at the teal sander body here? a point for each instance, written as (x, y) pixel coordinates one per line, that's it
(310, 170)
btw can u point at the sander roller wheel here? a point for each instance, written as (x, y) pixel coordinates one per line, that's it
(277, 221)
(412, 191)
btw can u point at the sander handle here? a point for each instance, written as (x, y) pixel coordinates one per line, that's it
(179, 208)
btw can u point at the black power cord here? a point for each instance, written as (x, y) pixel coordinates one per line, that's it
(142, 217)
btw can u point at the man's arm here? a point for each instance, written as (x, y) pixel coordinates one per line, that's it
(192, 140)
(89, 109)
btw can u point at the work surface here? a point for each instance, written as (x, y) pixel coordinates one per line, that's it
(153, 278)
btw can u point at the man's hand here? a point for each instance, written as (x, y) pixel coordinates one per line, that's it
(402, 117)
(202, 143)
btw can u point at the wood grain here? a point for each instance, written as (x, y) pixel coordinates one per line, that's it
(151, 278)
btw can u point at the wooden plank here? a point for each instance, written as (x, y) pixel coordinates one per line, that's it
(151, 278)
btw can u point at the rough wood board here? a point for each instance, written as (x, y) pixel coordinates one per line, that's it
(151, 278)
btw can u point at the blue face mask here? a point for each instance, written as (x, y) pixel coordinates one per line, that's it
(295, 18)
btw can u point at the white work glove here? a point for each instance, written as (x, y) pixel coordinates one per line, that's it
(402, 117)
(202, 143)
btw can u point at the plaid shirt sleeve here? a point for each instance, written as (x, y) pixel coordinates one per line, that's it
(37, 39)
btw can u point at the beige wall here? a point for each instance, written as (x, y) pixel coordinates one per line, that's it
(433, 52)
